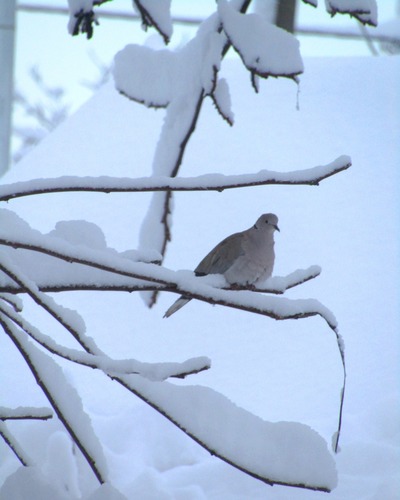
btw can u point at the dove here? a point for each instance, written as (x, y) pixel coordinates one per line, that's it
(244, 258)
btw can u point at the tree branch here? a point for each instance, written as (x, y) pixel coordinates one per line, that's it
(164, 276)
(276, 285)
(51, 397)
(209, 182)
(14, 445)
(111, 367)
(43, 301)
(25, 413)
(174, 164)
(93, 357)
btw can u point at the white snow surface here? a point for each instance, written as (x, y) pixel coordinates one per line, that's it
(367, 8)
(264, 48)
(280, 371)
(279, 450)
(159, 10)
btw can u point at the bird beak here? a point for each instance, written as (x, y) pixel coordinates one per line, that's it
(277, 228)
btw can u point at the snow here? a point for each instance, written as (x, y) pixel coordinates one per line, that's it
(29, 482)
(289, 371)
(222, 100)
(65, 398)
(159, 77)
(172, 79)
(212, 181)
(28, 239)
(159, 13)
(23, 412)
(264, 48)
(280, 451)
(365, 10)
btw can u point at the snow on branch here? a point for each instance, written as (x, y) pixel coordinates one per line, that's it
(365, 11)
(25, 413)
(181, 81)
(279, 284)
(12, 300)
(285, 453)
(181, 282)
(93, 358)
(265, 49)
(63, 398)
(157, 15)
(111, 367)
(178, 282)
(208, 182)
(153, 14)
(96, 281)
(13, 444)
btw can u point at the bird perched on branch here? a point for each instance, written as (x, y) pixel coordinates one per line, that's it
(244, 258)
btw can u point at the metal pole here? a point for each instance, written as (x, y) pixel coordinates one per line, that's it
(7, 31)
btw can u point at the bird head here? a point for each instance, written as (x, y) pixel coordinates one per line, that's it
(267, 221)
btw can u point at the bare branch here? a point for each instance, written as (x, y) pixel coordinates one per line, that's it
(336, 436)
(209, 182)
(365, 15)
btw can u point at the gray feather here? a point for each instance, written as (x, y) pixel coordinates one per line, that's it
(244, 258)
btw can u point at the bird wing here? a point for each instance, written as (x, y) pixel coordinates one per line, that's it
(221, 258)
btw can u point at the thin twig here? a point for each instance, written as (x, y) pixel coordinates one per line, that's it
(336, 436)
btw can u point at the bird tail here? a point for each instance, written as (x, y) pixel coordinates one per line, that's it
(176, 306)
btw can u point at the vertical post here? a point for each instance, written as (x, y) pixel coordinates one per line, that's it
(285, 15)
(7, 32)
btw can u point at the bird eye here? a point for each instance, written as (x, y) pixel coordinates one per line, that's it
(266, 221)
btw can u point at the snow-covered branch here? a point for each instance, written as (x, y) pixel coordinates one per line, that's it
(304, 459)
(25, 413)
(63, 398)
(157, 15)
(209, 182)
(13, 444)
(181, 282)
(93, 357)
(108, 282)
(179, 81)
(252, 36)
(111, 367)
(364, 11)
